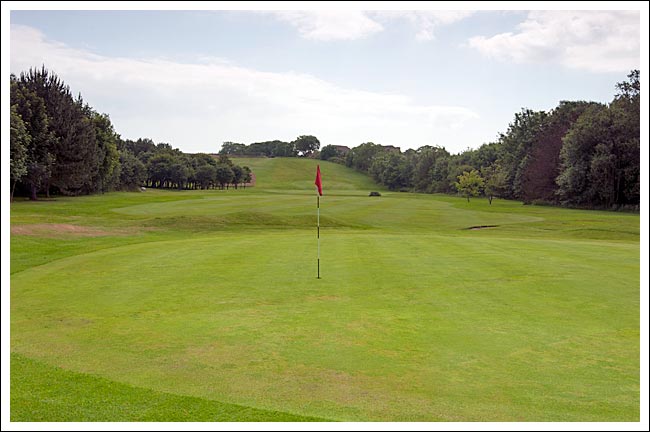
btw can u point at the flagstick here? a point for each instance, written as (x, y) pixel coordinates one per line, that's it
(318, 230)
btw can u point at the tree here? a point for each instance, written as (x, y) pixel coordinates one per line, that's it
(132, 172)
(575, 183)
(231, 148)
(424, 169)
(40, 151)
(455, 168)
(628, 105)
(328, 152)
(108, 173)
(248, 175)
(514, 147)
(306, 144)
(224, 175)
(179, 172)
(484, 156)
(495, 181)
(469, 184)
(142, 145)
(75, 148)
(237, 175)
(543, 162)
(206, 175)
(19, 142)
(225, 160)
(600, 156)
(440, 175)
(391, 169)
(361, 157)
(159, 169)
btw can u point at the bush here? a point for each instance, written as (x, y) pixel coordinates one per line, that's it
(374, 194)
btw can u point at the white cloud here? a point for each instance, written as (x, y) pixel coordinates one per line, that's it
(329, 25)
(596, 41)
(425, 21)
(197, 106)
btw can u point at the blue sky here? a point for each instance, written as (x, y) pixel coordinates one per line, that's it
(452, 78)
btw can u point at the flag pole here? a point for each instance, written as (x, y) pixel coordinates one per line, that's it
(319, 192)
(318, 232)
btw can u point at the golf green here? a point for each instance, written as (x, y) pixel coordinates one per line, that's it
(419, 314)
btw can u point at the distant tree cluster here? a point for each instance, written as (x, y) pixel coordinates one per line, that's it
(304, 146)
(59, 144)
(582, 154)
(161, 166)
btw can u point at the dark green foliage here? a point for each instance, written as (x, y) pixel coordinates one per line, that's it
(274, 148)
(428, 163)
(248, 175)
(391, 169)
(231, 148)
(306, 144)
(455, 168)
(328, 152)
(179, 172)
(19, 142)
(108, 174)
(224, 175)
(206, 176)
(133, 173)
(237, 175)
(515, 146)
(361, 157)
(75, 149)
(600, 158)
(159, 170)
(543, 161)
(40, 149)
(139, 147)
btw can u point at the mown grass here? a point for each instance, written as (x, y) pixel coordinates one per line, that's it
(50, 394)
(213, 295)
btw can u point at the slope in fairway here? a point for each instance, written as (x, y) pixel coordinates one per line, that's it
(213, 295)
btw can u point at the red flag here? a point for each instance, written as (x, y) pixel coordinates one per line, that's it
(319, 182)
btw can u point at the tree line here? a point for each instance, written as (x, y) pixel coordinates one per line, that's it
(59, 144)
(581, 154)
(304, 145)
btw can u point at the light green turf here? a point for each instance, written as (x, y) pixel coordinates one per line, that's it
(46, 393)
(213, 295)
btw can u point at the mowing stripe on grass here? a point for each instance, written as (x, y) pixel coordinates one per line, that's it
(40, 392)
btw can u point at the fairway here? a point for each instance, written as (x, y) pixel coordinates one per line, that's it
(211, 298)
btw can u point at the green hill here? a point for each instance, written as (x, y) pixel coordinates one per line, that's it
(299, 173)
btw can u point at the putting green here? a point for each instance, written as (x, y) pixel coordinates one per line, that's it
(415, 318)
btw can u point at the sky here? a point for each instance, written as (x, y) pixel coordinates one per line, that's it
(451, 78)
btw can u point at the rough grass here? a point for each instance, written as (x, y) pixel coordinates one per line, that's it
(212, 299)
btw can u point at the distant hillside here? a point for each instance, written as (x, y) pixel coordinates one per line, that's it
(299, 174)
